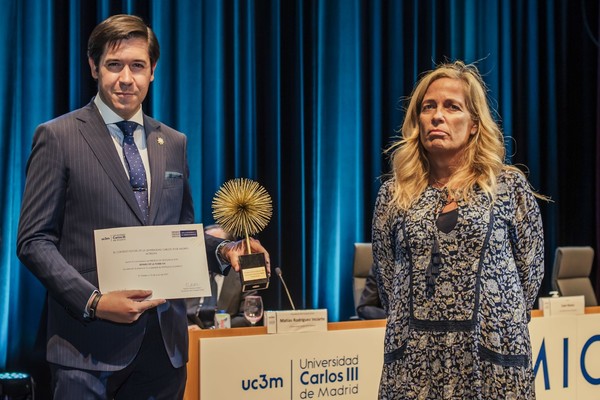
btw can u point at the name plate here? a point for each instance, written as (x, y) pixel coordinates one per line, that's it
(559, 306)
(296, 321)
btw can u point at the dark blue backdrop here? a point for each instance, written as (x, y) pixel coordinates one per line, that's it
(303, 96)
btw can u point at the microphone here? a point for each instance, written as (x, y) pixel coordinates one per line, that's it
(278, 272)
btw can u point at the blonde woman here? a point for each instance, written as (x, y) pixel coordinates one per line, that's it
(458, 248)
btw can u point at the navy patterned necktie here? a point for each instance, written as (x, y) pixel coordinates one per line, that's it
(133, 161)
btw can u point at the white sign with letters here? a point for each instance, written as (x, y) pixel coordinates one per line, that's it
(344, 364)
(566, 357)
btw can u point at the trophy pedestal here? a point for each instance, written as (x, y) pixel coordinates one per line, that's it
(253, 272)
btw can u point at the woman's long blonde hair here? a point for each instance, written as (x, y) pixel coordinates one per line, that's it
(483, 157)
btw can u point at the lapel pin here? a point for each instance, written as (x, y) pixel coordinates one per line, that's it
(160, 141)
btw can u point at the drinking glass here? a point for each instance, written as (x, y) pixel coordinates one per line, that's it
(253, 309)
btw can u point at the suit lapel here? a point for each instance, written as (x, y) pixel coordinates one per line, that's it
(96, 134)
(156, 154)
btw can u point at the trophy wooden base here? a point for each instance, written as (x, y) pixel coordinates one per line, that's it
(253, 272)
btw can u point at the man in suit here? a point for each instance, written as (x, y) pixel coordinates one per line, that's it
(89, 170)
(227, 295)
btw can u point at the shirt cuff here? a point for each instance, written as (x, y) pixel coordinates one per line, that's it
(86, 311)
(223, 262)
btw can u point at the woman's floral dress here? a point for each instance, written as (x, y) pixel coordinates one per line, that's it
(461, 332)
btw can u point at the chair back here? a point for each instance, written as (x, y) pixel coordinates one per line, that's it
(571, 273)
(363, 260)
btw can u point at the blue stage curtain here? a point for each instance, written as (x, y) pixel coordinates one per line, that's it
(304, 96)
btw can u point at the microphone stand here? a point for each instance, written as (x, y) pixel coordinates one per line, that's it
(278, 272)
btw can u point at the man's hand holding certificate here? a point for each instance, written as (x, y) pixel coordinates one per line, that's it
(169, 260)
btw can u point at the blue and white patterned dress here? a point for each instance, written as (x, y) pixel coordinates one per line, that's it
(469, 338)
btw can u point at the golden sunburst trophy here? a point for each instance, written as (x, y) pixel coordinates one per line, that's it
(243, 208)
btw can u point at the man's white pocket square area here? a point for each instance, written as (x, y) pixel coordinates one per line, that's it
(173, 175)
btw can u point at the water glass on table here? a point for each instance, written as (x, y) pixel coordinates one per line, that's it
(253, 309)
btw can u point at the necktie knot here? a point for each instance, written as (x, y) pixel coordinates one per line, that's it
(127, 127)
